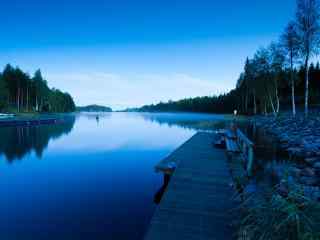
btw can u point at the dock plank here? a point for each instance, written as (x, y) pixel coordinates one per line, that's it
(198, 201)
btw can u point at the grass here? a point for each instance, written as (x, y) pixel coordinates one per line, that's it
(278, 217)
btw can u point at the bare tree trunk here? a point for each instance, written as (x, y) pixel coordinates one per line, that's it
(27, 99)
(276, 96)
(272, 105)
(254, 104)
(37, 107)
(265, 107)
(278, 102)
(243, 103)
(40, 104)
(306, 99)
(293, 99)
(246, 101)
(18, 100)
(292, 86)
(21, 100)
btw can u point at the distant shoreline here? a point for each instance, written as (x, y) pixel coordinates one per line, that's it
(30, 119)
(93, 108)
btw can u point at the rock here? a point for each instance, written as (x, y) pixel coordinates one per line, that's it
(310, 181)
(309, 172)
(299, 136)
(311, 192)
(295, 172)
(317, 165)
(311, 160)
(294, 150)
(283, 189)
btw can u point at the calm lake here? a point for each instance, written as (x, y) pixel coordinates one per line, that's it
(88, 178)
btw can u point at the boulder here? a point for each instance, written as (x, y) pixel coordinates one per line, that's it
(308, 172)
(311, 160)
(316, 165)
(310, 181)
(295, 172)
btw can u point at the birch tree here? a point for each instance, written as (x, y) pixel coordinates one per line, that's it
(290, 44)
(265, 87)
(276, 62)
(249, 77)
(307, 20)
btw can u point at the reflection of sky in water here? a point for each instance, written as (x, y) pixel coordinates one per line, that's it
(96, 181)
(120, 130)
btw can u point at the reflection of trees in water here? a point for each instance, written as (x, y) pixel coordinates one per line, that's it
(198, 123)
(16, 142)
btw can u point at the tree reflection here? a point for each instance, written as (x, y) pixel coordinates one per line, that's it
(16, 142)
(189, 121)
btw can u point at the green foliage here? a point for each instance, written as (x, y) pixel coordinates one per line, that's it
(222, 104)
(94, 108)
(60, 102)
(19, 92)
(3, 93)
(272, 77)
(241, 98)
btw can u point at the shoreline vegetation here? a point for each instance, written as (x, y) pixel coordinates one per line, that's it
(21, 93)
(279, 76)
(93, 108)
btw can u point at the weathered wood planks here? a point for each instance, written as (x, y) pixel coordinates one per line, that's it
(198, 201)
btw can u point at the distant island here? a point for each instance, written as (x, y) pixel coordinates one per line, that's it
(93, 108)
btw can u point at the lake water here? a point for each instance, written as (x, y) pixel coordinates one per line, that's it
(88, 178)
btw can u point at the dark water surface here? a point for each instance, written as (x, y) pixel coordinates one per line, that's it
(87, 178)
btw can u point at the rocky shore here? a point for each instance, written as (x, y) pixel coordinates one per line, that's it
(300, 138)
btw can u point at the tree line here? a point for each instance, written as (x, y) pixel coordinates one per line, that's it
(273, 70)
(281, 74)
(21, 93)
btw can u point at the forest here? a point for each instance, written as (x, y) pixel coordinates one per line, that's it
(19, 92)
(280, 76)
(93, 108)
(242, 100)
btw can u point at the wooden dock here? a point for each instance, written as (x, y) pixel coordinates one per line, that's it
(198, 201)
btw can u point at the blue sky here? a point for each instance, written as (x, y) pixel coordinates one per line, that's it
(125, 53)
